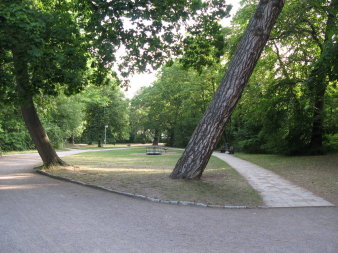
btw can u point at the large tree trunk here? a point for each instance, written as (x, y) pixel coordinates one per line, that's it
(316, 143)
(318, 89)
(30, 116)
(38, 134)
(156, 137)
(205, 137)
(171, 138)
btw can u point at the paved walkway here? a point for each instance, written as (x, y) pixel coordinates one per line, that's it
(276, 191)
(41, 214)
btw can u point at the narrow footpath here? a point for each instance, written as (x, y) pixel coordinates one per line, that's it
(275, 190)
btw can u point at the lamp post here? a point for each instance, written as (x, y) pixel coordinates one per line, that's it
(105, 134)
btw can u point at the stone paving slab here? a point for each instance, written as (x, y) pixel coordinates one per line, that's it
(275, 190)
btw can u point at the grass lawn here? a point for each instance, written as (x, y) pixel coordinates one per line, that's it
(31, 151)
(135, 172)
(19, 152)
(318, 174)
(77, 146)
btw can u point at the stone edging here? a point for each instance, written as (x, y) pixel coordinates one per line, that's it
(138, 196)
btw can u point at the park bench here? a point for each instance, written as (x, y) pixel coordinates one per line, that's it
(227, 148)
(154, 150)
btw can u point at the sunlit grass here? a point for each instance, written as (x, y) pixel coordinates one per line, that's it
(30, 151)
(19, 152)
(134, 171)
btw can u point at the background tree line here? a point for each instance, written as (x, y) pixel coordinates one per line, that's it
(289, 106)
(49, 48)
(290, 103)
(76, 119)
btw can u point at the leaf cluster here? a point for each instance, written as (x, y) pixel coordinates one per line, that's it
(48, 42)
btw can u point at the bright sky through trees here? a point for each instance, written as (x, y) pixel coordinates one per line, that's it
(140, 80)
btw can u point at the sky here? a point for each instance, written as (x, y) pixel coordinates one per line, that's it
(146, 79)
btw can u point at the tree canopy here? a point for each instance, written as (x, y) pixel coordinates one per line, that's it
(51, 50)
(290, 103)
(50, 47)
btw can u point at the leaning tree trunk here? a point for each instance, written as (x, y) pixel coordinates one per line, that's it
(205, 137)
(38, 134)
(30, 116)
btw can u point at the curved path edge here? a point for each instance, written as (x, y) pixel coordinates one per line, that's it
(275, 190)
(139, 196)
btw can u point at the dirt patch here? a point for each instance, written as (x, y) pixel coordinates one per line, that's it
(163, 154)
(216, 178)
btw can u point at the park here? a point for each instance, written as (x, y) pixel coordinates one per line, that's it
(232, 146)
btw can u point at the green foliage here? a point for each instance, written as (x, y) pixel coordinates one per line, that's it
(174, 104)
(81, 117)
(281, 105)
(68, 45)
(51, 47)
(105, 106)
(49, 42)
(148, 30)
(204, 46)
(63, 117)
(13, 134)
(279, 108)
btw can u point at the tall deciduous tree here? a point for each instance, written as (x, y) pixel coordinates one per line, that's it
(48, 46)
(43, 51)
(324, 70)
(201, 145)
(303, 50)
(175, 102)
(105, 106)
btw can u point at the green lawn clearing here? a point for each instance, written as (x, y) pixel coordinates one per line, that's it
(318, 174)
(135, 172)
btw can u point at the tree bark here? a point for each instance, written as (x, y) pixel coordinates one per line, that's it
(39, 135)
(171, 137)
(156, 137)
(29, 114)
(205, 137)
(317, 86)
(316, 143)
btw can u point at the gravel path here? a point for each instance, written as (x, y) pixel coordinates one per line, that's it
(276, 191)
(40, 214)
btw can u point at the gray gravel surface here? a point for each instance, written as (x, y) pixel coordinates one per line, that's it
(41, 214)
